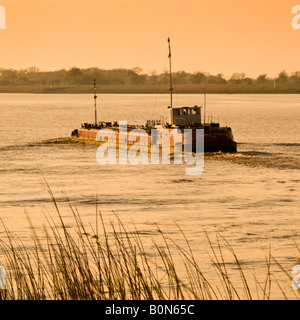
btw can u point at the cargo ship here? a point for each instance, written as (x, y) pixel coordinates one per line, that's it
(216, 137)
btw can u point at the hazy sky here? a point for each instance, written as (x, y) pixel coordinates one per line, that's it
(216, 36)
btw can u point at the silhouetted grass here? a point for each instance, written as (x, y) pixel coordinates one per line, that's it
(93, 263)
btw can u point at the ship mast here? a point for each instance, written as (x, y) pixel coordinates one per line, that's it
(204, 107)
(95, 101)
(170, 65)
(171, 85)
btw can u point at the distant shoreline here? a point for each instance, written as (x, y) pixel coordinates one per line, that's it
(156, 89)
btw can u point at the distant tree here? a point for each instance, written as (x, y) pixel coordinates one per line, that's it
(247, 80)
(153, 77)
(180, 77)
(297, 74)
(261, 78)
(295, 77)
(74, 76)
(283, 77)
(32, 70)
(134, 76)
(218, 79)
(199, 77)
(24, 81)
(152, 72)
(137, 70)
(163, 78)
(221, 77)
(237, 77)
(9, 77)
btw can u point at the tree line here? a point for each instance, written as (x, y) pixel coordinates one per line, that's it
(33, 77)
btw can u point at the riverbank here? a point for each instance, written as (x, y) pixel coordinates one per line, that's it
(155, 89)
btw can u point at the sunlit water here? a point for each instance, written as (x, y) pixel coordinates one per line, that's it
(251, 198)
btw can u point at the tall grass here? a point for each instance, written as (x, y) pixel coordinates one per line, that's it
(92, 262)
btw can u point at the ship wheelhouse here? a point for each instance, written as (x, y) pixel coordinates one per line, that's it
(185, 116)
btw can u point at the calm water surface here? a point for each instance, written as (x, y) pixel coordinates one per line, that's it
(251, 198)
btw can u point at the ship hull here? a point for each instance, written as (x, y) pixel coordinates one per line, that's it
(219, 139)
(215, 139)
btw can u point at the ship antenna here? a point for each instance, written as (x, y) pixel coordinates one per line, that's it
(171, 84)
(95, 99)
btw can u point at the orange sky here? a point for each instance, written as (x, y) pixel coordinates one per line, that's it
(216, 36)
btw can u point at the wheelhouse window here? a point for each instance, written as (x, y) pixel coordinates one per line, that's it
(176, 112)
(195, 111)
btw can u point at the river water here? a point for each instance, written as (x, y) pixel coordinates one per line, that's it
(251, 198)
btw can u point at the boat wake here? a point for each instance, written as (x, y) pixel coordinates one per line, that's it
(252, 158)
(257, 159)
(66, 140)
